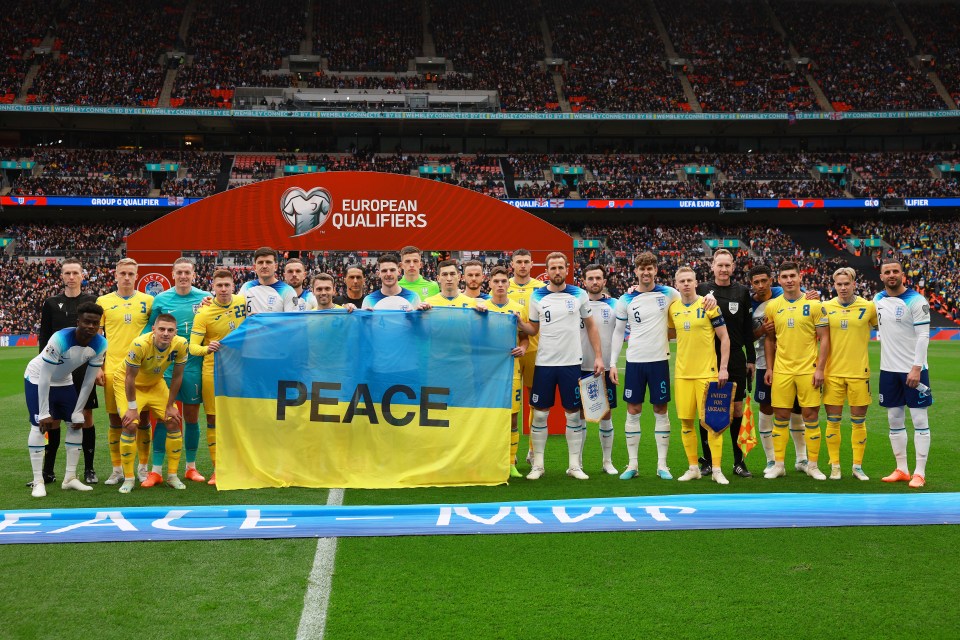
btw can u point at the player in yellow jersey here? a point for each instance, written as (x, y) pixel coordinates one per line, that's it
(139, 386)
(212, 324)
(521, 286)
(696, 367)
(850, 318)
(795, 367)
(125, 314)
(500, 303)
(448, 276)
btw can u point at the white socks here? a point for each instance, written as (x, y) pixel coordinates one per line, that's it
(921, 438)
(632, 431)
(35, 444)
(606, 439)
(765, 427)
(797, 431)
(575, 431)
(898, 436)
(661, 433)
(74, 442)
(538, 435)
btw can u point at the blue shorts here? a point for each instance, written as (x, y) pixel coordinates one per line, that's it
(62, 402)
(547, 379)
(643, 375)
(611, 388)
(761, 392)
(894, 391)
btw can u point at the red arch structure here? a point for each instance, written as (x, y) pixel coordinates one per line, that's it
(346, 211)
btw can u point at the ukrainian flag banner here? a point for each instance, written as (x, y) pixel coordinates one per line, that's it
(365, 399)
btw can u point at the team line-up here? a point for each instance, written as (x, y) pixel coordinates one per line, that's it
(149, 353)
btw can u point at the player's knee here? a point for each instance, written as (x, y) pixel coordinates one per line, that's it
(573, 417)
(540, 417)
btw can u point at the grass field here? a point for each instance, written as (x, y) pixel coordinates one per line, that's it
(841, 582)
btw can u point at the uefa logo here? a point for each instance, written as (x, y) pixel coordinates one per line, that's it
(305, 210)
(153, 283)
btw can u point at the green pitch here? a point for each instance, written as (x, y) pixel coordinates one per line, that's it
(869, 581)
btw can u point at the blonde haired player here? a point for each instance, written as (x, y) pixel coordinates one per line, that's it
(125, 314)
(500, 302)
(139, 386)
(696, 367)
(795, 367)
(210, 326)
(850, 318)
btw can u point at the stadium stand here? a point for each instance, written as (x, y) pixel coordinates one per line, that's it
(265, 32)
(368, 35)
(89, 67)
(862, 60)
(739, 62)
(23, 26)
(612, 65)
(937, 29)
(496, 44)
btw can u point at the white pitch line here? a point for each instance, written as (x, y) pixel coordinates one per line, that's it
(313, 619)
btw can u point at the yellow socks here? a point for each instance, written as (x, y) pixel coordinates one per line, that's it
(859, 437)
(144, 452)
(833, 437)
(174, 446)
(113, 441)
(690, 438)
(128, 449)
(212, 443)
(811, 435)
(781, 433)
(715, 441)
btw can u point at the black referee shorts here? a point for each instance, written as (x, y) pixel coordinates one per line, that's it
(738, 374)
(78, 375)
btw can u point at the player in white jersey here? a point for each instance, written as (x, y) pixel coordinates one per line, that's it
(390, 295)
(295, 275)
(51, 396)
(761, 278)
(556, 311)
(604, 317)
(904, 318)
(267, 293)
(644, 311)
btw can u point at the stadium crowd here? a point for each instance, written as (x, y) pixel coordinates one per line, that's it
(111, 56)
(739, 62)
(737, 58)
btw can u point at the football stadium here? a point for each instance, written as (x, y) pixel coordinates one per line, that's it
(328, 319)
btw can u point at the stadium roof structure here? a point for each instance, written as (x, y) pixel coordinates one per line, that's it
(346, 211)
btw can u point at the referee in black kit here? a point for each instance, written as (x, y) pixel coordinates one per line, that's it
(734, 303)
(60, 312)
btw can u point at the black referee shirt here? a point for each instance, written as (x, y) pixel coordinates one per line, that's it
(734, 303)
(59, 312)
(342, 300)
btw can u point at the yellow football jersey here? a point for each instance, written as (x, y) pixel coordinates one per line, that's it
(123, 320)
(520, 293)
(696, 358)
(459, 302)
(215, 321)
(849, 336)
(796, 323)
(151, 361)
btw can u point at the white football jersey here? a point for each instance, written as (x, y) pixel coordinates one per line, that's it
(899, 318)
(406, 300)
(759, 310)
(306, 301)
(559, 314)
(263, 298)
(605, 319)
(645, 313)
(63, 352)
